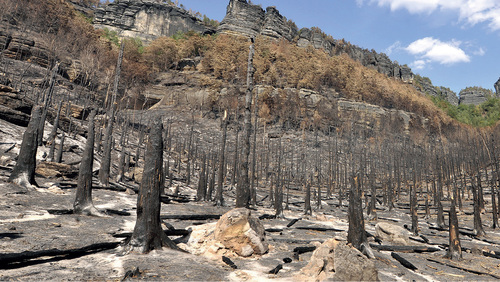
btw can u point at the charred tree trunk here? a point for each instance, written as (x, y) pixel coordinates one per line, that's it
(478, 225)
(307, 207)
(189, 154)
(219, 199)
(106, 160)
(278, 192)
(148, 234)
(23, 173)
(454, 249)
(243, 189)
(253, 174)
(121, 160)
(356, 234)
(53, 133)
(202, 183)
(234, 172)
(480, 193)
(60, 150)
(440, 213)
(83, 200)
(413, 210)
(46, 101)
(372, 211)
(211, 184)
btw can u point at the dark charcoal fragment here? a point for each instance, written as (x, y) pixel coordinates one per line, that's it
(276, 269)
(229, 262)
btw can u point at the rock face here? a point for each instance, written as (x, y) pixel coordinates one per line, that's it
(474, 95)
(242, 18)
(497, 87)
(251, 20)
(424, 85)
(391, 233)
(335, 261)
(448, 95)
(146, 19)
(241, 232)
(277, 26)
(19, 46)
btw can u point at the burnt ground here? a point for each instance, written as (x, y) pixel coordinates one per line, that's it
(40, 219)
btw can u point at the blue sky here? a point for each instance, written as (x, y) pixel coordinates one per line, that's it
(456, 43)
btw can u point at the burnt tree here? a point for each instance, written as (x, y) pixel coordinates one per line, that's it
(478, 225)
(219, 199)
(356, 233)
(148, 234)
(108, 136)
(23, 173)
(53, 133)
(454, 250)
(243, 189)
(83, 200)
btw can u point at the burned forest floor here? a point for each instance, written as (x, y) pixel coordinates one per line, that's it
(41, 239)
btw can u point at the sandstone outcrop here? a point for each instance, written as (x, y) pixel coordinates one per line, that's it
(251, 20)
(474, 95)
(448, 95)
(241, 232)
(392, 234)
(335, 261)
(20, 46)
(146, 19)
(242, 18)
(424, 85)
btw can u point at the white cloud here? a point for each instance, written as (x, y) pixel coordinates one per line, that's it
(418, 64)
(394, 47)
(434, 50)
(479, 52)
(471, 11)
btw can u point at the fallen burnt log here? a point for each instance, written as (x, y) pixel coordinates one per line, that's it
(492, 254)
(68, 211)
(291, 223)
(467, 233)
(322, 229)
(267, 216)
(168, 232)
(463, 268)
(403, 261)
(191, 216)
(274, 230)
(406, 249)
(302, 250)
(178, 199)
(23, 259)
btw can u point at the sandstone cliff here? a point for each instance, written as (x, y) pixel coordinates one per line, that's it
(146, 19)
(448, 95)
(424, 85)
(251, 20)
(474, 95)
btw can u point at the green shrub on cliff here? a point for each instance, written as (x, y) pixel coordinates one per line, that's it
(485, 114)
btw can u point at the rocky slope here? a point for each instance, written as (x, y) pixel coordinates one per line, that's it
(425, 85)
(251, 20)
(146, 19)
